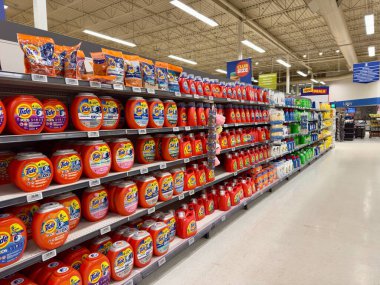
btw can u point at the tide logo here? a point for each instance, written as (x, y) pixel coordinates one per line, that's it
(74, 280)
(95, 203)
(64, 164)
(121, 152)
(94, 276)
(160, 74)
(187, 149)
(192, 227)
(49, 226)
(85, 109)
(96, 156)
(120, 261)
(192, 181)
(30, 170)
(4, 239)
(50, 112)
(24, 111)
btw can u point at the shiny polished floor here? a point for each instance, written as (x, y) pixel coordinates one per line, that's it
(322, 227)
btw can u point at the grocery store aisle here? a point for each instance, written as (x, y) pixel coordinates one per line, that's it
(322, 227)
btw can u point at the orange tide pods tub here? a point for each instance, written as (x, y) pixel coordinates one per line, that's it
(56, 115)
(156, 113)
(145, 149)
(72, 204)
(74, 256)
(125, 198)
(142, 244)
(148, 191)
(67, 165)
(48, 269)
(25, 213)
(95, 203)
(95, 270)
(123, 154)
(16, 279)
(171, 114)
(65, 276)
(50, 226)
(137, 113)
(101, 244)
(169, 147)
(86, 112)
(96, 156)
(3, 117)
(13, 239)
(161, 238)
(120, 256)
(111, 113)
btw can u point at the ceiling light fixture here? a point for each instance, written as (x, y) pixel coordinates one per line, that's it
(256, 63)
(254, 80)
(194, 13)
(301, 73)
(369, 24)
(315, 81)
(182, 59)
(304, 56)
(337, 51)
(371, 51)
(320, 53)
(5, 7)
(221, 71)
(102, 36)
(322, 82)
(253, 46)
(284, 63)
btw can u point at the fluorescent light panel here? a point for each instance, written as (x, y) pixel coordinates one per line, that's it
(182, 59)
(254, 80)
(301, 73)
(369, 24)
(371, 51)
(253, 46)
(194, 13)
(5, 7)
(102, 36)
(284, 63)
(315, 81)
(322, 82)
(221, 71)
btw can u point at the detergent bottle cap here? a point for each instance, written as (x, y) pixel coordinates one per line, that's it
(204, 196)
(222, 83)
(200, 105)
(198, 78)
(119, 245)
(190, 104)
(86, 94)
(94, 189)
(47, 207)
(216, 80)
(101, 239)
(206, 105)
(94, 142)
(64, 152)
(183, 75)
(229, 188)
(184, 206)
(213, 191)
(222, 192)
(193, 200)
(181, 214)
(191, 76)
(181, 104)
(139, 234)
(106, 97)
(206, 80)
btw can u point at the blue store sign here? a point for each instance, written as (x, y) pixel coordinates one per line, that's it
(366, 72)
(240, 70)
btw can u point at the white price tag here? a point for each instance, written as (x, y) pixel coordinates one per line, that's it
(252, 144)
(39, 78)
(181, 196)
(176, 129)
(186, 160)
(142, 131)
(136, 89)
(130, 282)
(48, 255)
(151, 210)
(144, 170)
(243, 101)
(177, 94)
(245, 203)
(235, 173)
(71, 81)
(161, 261)
(196, 96)
(34, 197)
(211, 98)
(94, 182)
(234, 148)
(118, 86)
(163, 165)
(105, 230)
(236, 124)
(228, 99)
(191, 192)
(93, 134)
(223, 218)
(191, 240)
(95, 84)
(126, 132)
(187, 128)
(150, 91)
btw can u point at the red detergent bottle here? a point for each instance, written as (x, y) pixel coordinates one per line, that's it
(182, 115)
(230, 114)
(198, 207)
(199, 85)
(190, 179)
(231, 163)
(196, 145)
(185, 147)
(216, 89)
(208, 203)
(74, 256)
(202, 138)
(183, 84)
(186, 224)
(191, 115)
(234, 195)
(191, 83)
(224, 201)
(206, 87)
(201, 117)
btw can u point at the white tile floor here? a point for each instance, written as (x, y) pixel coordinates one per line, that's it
(322, 227)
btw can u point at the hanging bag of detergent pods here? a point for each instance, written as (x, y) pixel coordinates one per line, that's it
(38, 54)
(59, 58)
(147, 71)
(173, 74)
(132, 71)
(74, 63)
(114, 64)
(162, 75)
(99, 63)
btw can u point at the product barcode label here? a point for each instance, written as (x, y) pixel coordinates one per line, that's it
(143, 170)
(243, 101)
(191, 240)
(196, 96)
(187, 128)
(161, 261)
(191, 192)
(142, 131)
(177, 94)
(95, 84)
(34, 197)
(181, 196)
(163, 165)
(223, 218)
(150, 91)
(118, 86)
(151, 210)
(94, 182)
(39, 78)
(48, 255)
(71, 81)
(105, 230)
(93, 134)
(211, 98)
(186, 160)
(235, 173)
(176, 129)
(136, 89)
(126, 132)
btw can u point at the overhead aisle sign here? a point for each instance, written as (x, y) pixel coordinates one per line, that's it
(366, 72)
(320, 90)
(268, 80)
(240, 70)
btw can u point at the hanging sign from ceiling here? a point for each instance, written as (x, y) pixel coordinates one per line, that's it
(366, 72)
(268, 80)
(320, 90)
(240, 70)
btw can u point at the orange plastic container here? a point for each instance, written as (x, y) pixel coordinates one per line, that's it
(120, 256)
(185, 147)
(72, 204)
(65, 276)
(67, 165)
(95, 269)
(224, 201)
(25, 213)
(158, 152)
(47, 270)
(125, 198)
(148, 191)
(50, 225)
(94, 203)
(208, 203)
(31, 171)
(171, 114)
(165, 185)
(178, 180)
(96, 156)
(123, 154)
(16, 279)
(145, 149)
(169, 220)
(3, 117)
(161, 238)
(5, 159)
(100, 244)
(169, 147)
(86, 112)
(198, 207)
(137, 113)
(74, 256)
(142, 244)
(25, 115)
(13, 239)
(56, 115)
(186, 223)
(156, 113)
(111, 113)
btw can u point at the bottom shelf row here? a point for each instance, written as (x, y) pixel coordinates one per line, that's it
(135, 250)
